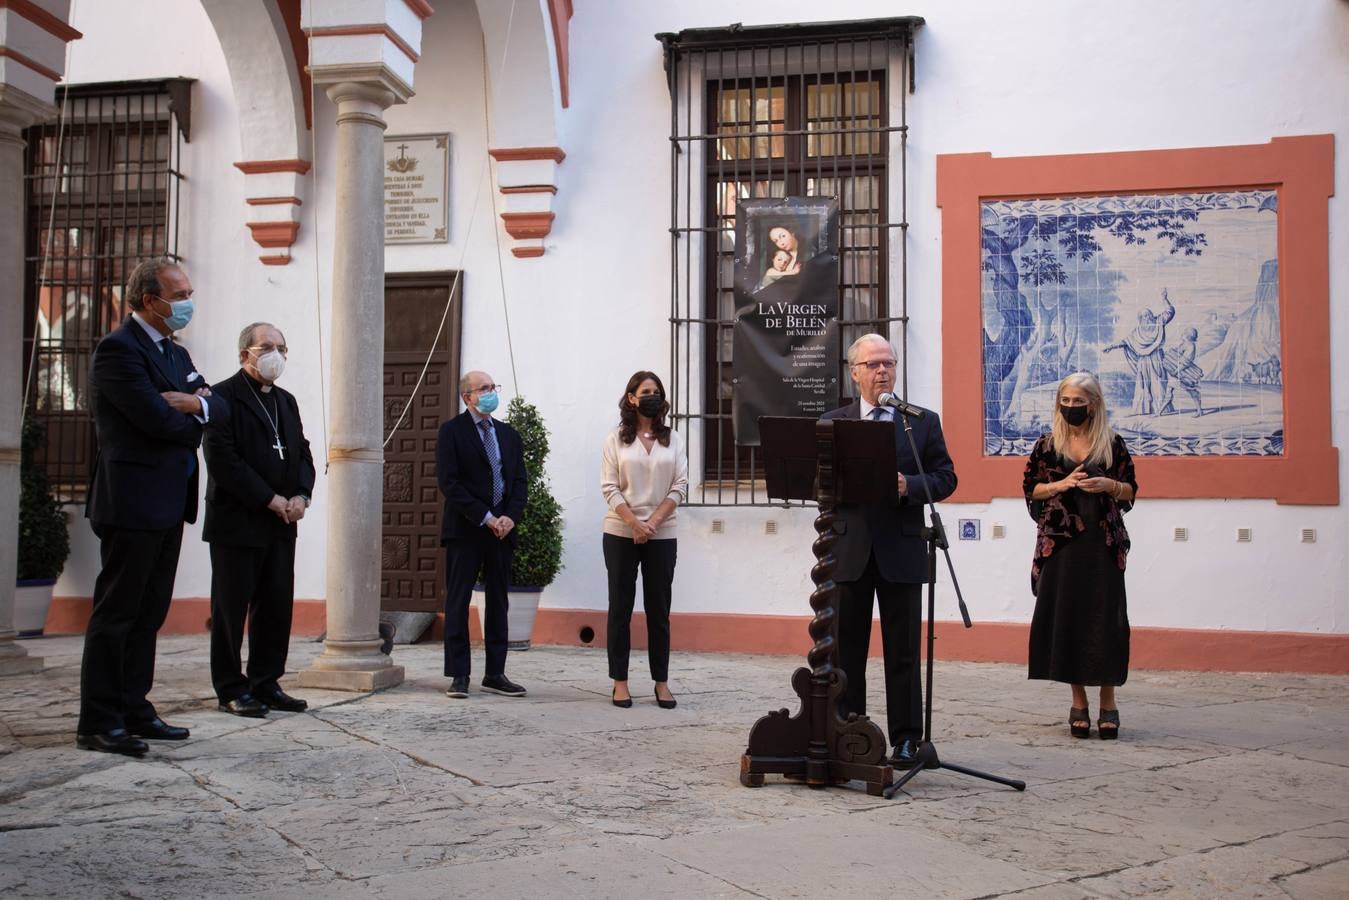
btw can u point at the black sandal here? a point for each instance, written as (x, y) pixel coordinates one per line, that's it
(1079, 714)
(1108, 717)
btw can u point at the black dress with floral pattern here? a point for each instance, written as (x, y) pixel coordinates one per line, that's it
(1080, 631)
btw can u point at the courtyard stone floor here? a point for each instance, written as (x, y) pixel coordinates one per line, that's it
(1222, 785)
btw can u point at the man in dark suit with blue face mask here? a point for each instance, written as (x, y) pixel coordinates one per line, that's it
(150, 406)
(880, 551)
(480, 466)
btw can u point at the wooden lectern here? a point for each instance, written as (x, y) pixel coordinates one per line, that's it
(831, 462)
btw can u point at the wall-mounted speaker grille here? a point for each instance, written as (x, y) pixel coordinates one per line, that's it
(1309, 535)
(1243, 535)
(1180, 533)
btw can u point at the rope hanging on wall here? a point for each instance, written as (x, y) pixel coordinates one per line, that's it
(43, 281)
(483, 175)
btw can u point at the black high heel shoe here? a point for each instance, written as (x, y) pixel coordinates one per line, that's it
(1108, 717)
(621, 704)
(1080, 714)
(667, 704)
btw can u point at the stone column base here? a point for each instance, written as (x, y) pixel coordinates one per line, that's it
(352, 680)
(14, 660)
(352, 666)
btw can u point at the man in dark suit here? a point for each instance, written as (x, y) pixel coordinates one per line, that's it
(150, 407)
(260, 479)
(880, 550)
(480, 466)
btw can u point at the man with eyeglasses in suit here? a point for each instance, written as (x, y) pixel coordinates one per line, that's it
(480, 466)
(880, 551)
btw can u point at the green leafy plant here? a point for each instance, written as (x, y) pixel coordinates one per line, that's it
(538, 549)
(44, 540)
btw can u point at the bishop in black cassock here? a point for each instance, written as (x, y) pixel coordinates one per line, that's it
(260, 480)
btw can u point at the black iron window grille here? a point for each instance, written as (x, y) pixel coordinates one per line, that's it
(795, 110)
(102, 192)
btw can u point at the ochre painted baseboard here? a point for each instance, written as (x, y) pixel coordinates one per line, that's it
(1185, 649)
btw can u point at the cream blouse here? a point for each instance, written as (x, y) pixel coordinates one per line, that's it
(628, 474)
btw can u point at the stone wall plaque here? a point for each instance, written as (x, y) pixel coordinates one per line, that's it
(416, 189)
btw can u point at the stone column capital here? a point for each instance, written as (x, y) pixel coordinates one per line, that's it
(371, 82)
(361, 101)
(19, 109)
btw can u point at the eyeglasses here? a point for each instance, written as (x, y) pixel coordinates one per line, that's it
(485, 389)
(264, 349)
(181, 295)
(874, 364)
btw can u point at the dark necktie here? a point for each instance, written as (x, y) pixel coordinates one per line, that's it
(164, 347)
(877, 414)
(489, 442)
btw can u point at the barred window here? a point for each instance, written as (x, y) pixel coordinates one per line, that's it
(102, 192)
(779, 111)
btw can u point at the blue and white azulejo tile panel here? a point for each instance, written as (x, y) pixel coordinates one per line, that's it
(1172, 300)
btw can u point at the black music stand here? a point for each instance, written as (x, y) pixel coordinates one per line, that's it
(935, 536)
(831, 462)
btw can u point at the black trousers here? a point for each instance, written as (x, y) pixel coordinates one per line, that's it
(465, 557)
(901, 621)
(257, 582)
(131, 601)
(622, 558)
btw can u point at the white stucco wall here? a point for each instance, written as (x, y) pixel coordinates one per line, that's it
(1043, 78)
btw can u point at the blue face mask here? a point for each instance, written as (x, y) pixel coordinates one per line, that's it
(487, 403)
(181, 313)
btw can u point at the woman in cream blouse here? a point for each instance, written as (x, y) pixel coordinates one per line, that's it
(644, 475)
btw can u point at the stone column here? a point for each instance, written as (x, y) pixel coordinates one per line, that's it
(18, 110)
(351, 658)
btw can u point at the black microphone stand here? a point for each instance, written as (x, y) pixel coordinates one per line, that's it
(935, 535)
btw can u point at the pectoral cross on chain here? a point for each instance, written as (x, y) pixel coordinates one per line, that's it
(280, 450)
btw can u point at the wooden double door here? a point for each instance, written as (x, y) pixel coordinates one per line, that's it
(413, 567)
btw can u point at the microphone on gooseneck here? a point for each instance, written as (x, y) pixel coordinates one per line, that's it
(902, 406)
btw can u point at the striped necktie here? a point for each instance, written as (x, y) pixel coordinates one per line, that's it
(489, 443)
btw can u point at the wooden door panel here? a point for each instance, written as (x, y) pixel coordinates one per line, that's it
(413, 577)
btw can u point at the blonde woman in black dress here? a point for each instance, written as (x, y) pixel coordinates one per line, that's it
(1079, 482)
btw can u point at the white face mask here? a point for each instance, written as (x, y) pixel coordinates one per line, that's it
(271, 364)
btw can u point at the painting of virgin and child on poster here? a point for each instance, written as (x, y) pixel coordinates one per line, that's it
(785, 341)
(1171, 299)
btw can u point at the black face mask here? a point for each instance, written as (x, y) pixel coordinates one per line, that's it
(1075, 415)
(650, 405)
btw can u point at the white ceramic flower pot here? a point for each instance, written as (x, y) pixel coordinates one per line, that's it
(32, 599)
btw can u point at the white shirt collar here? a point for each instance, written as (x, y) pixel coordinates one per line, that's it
(478, 418)
(149, 329)
(886, 413)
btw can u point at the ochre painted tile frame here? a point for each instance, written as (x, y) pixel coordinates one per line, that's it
(1301, 169)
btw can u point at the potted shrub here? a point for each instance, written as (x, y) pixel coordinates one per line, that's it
(44, 539)
(538, 549)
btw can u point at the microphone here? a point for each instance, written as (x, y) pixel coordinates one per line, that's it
(903, 407)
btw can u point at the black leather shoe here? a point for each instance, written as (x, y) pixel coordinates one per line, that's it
(500, 684)
(279, 699)
(905, 755)
(458, 688)
(247, 706)
(157, 730)
(386, 633)
(115, 741)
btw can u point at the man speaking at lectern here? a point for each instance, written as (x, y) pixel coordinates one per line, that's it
(880, 550)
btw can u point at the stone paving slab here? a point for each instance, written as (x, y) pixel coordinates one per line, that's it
(794, 859)
(617, 872)
(1221, 786)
